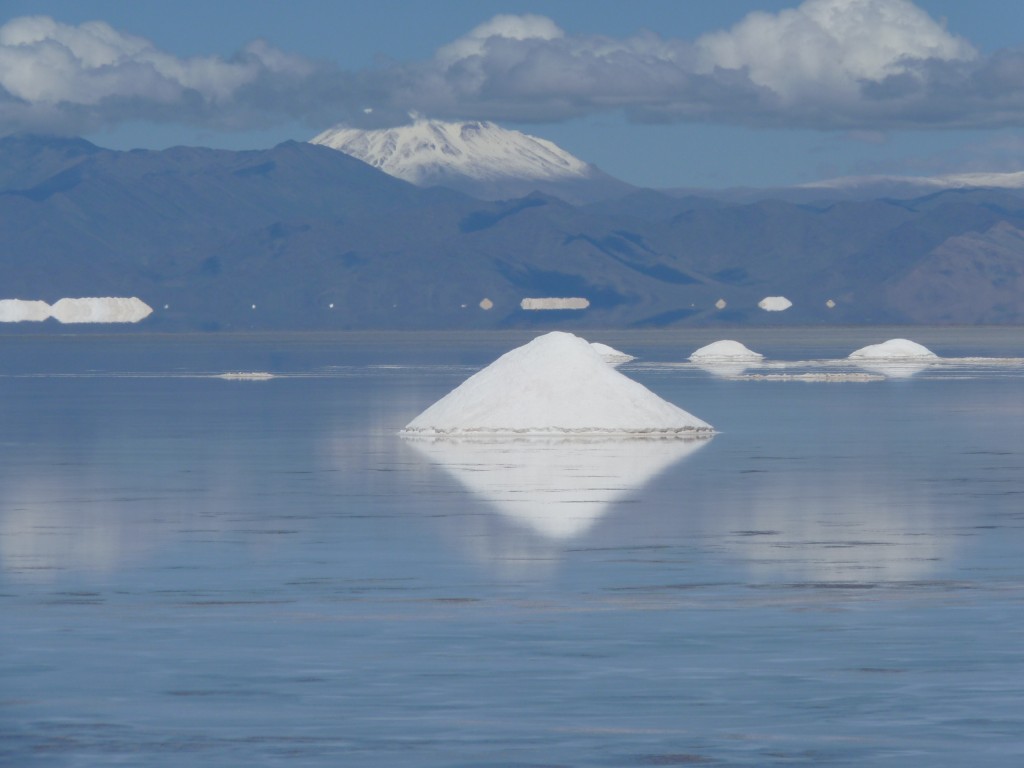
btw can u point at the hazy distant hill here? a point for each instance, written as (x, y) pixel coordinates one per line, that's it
(318, 240)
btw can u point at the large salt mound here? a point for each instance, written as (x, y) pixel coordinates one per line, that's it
(726, 350)
(894, 349)
(555, 385)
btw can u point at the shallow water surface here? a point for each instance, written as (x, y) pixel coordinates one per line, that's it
(257, 573)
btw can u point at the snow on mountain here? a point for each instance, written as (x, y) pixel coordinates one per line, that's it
(480, 158)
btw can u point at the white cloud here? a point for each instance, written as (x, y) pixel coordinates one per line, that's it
(506, 27)
(825, 49)
(853, 65)
(45, 61)
(826, 64)
(92, 73)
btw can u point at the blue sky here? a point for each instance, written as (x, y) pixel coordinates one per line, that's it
(663, 93)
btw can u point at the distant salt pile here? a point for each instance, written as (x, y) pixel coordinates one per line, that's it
(726, 350)
(774, 303)
(19, 311)
(554, 303)
(100, 310)
(87, 310)
(555, 385)
(610, 354)
(245, 376)
(894, 349)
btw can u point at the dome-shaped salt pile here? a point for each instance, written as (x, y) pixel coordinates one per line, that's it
(775, 303)
(894, 349)
(725, 350)
(610, 354)
(555, 385)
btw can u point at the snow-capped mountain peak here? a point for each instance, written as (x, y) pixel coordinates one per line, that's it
(430, 152)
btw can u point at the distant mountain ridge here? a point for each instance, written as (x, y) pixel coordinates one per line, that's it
(479, 158)
(864, 188)
(303, 237)
(978, 180)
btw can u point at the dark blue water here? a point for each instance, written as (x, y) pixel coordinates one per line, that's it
(196, 571)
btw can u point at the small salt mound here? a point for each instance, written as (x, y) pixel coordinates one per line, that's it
(555, 385)
(775, 303)
(101, 310)
(610, 354)
(726, 350)
(894, 349)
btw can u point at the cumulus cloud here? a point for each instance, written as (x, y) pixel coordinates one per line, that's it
(66, 78)
(858, 65)
(826, 49)
(503, 26)
(825, 64)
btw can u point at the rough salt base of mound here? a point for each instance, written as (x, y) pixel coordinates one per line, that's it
(610, 354)
(726, 350)
(894, 349)
(556, 385)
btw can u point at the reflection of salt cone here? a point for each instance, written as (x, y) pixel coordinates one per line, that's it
(894, 369)
(556, 489)
(724, 370)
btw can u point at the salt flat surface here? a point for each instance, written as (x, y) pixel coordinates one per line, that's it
(555, 384)
(256, 575)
